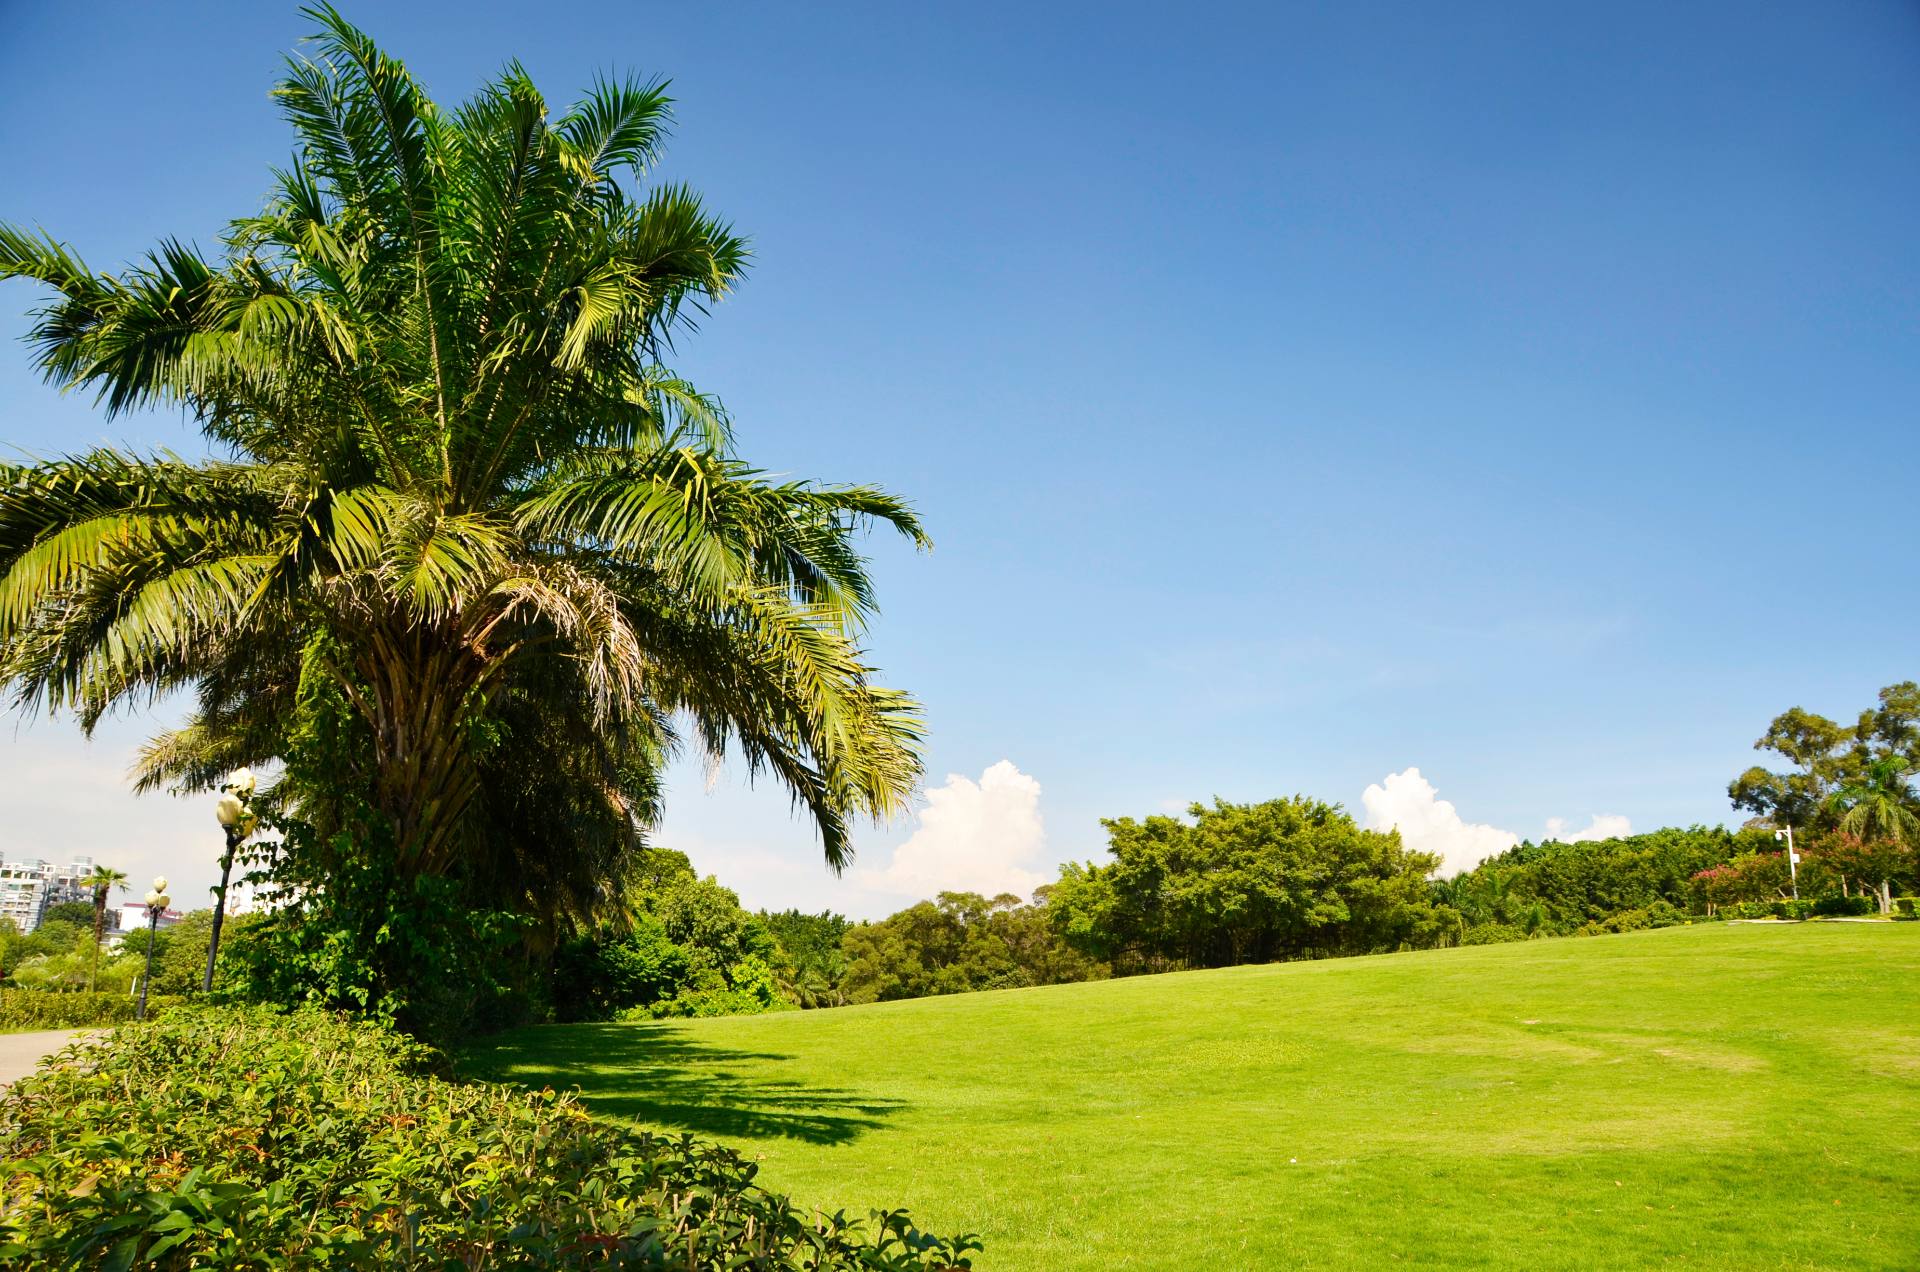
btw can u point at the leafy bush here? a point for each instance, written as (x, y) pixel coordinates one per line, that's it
(1658, 915)
(961, 942)
(1751, 878)
(1906, 907)
(240, 1138)
(1748, 910)
(24, 1009)
(343, 929)
(687, 949)
(1845, 907)
(599, 976)
(1793, 909)
(1492, 934)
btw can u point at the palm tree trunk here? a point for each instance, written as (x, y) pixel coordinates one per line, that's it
(422, 685)
(99, 932)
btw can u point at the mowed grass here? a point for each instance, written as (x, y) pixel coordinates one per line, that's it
(1736, 1096)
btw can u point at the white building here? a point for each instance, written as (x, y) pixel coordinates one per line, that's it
(28, 887)
(133, 917)
(23, 892)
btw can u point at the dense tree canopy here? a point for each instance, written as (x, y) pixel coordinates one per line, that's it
(958, 942)
(1850, 793)
(1554, 888)
(1245, 883)
(1827, 757)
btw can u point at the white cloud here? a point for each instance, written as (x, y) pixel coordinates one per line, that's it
(1407, 802)
(985, 836)
(1603, 826)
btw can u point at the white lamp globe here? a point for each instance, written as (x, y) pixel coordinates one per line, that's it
(229, 810)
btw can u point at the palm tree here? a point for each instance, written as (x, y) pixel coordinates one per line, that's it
(103, 880)
(1878, 805)
(455, 494)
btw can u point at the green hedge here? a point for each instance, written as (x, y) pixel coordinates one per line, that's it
(1848, 907)
(24, 1009)
(239, 1138)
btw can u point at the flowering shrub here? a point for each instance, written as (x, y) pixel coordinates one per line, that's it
(249, 1140)
(1753, 876)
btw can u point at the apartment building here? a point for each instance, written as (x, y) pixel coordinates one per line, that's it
(29, 887)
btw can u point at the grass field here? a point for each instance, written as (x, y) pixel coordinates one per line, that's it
(1738, 1096)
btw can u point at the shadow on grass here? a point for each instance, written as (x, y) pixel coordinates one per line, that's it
(647, 1074)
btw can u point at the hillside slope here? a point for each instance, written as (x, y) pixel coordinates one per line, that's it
(1716, 1096)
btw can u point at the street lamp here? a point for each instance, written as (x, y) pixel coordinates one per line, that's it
(237, 819)
(156, 899)
(1793, 859)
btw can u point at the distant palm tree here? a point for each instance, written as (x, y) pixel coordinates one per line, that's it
(102, 880)
(456, 492)
(1879, 804)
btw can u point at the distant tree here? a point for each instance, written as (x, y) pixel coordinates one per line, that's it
(684, 948)
(1592, 881)
(80, 912)
(961, 942)
(179, 951)
(1751, 876)
(1879, 803)
(1248, 883)
(809, 964)
(1874, 862)
(55, 933)
(1826, 758)
(1877, 823)
(103, 880)
(704, 918)
(603, 973)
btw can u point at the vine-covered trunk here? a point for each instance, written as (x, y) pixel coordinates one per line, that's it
(423, 687)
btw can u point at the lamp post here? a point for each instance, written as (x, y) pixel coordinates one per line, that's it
(238, 821)
(1793, 859)
(156, 900)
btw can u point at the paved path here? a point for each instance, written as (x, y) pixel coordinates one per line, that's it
(21, 1053)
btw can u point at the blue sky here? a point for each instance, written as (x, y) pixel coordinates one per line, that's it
(1296, 394)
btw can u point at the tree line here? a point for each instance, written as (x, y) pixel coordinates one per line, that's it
(1298, 878)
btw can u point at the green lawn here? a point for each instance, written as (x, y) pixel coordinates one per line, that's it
(1736, 1096)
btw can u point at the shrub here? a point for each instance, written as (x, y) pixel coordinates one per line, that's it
(1800, 909)
(244, 1139)
(24, 1009)
(1845, 907)
(1492, 934)
(1657, 915)
(1906, 907)
(1752, 878)
(599, 976)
